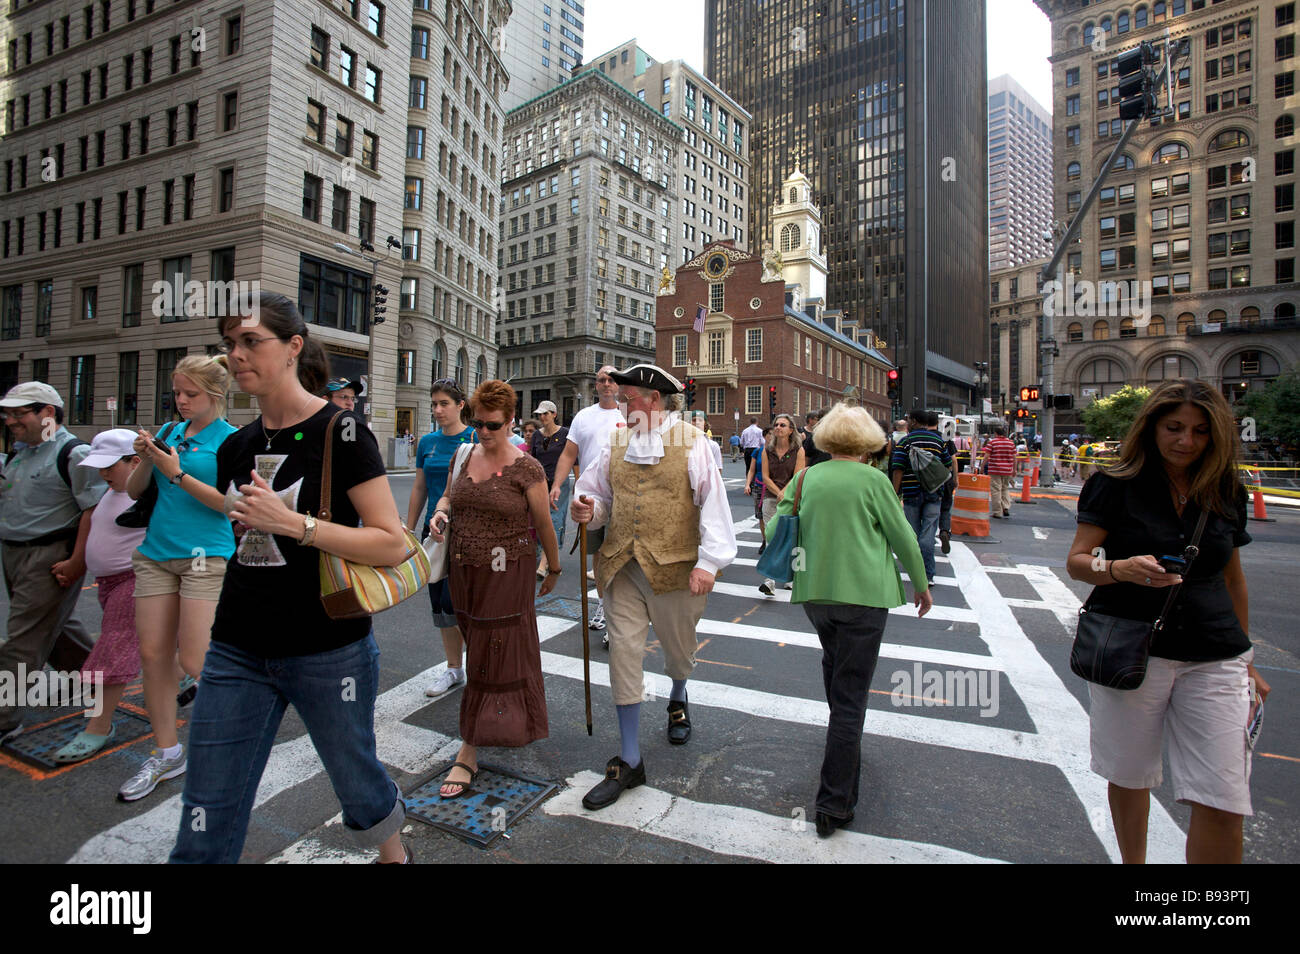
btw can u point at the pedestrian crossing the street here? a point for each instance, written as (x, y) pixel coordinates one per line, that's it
(752, 649)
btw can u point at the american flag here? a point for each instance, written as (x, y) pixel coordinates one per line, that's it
(700, 312)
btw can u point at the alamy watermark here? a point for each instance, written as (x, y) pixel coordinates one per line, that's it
(48, 688)
(1089, 299)
(216, 299)
(945, 687)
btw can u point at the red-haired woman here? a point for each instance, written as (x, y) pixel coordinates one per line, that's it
(1179, 462)
(500, 492)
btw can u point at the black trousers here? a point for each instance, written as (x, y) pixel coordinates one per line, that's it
(850, 638)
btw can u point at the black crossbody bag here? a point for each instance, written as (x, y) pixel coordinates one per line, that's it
(1112, 651)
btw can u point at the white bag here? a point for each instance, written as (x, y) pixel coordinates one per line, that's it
(439, 553)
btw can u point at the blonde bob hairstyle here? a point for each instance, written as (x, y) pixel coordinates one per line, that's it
(849, 432)
(210, 373)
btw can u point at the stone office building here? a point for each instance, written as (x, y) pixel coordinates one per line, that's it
(588, 219)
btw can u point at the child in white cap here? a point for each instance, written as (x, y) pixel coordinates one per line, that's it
(116, 656)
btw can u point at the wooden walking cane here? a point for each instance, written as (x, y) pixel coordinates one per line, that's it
(586, 648)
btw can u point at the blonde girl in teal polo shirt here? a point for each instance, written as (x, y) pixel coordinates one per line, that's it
(850, 528)
(180, 565)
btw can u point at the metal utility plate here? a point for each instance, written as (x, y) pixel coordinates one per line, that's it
(37, 745)
(496, 801)
(560, 606)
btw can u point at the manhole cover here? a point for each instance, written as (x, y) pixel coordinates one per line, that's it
(494, 804)
(37, 745)
(560, 606)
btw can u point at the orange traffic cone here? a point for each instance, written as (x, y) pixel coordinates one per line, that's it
(1025, 483)
(1260, 513)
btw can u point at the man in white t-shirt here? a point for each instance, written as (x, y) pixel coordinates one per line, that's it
(589, 434)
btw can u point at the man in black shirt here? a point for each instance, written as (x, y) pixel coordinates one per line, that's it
(811, 454)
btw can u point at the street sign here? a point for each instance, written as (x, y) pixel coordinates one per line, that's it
(736, 414)
(112, 404)
(988, 405)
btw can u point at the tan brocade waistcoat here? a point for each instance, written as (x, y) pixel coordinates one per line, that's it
(654, 519)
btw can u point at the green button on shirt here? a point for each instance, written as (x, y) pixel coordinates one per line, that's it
(35, 501)
(850, 527)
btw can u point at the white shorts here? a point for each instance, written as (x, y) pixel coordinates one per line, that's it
(1204, 706)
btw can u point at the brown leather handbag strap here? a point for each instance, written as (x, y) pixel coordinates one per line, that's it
(326, 469)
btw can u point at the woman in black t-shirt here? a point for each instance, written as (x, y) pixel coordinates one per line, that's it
(272, 642)
(1179, 461)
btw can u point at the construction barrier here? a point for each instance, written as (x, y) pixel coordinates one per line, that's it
(970, 507)
(1260, 513)
(1027, 482)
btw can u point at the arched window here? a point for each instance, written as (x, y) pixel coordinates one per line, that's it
(1074, 332)
(480, 370)
(461, 360)
(1247, 370)
(1229, 139)
(1100, 377)
(1123, 162)
(1285, 309)
(1139, 18)
(1250, 316)
(1089, 30)
(1216, 317)
(1185, 322)
(439, 361)
(1100, 330)
(1283, 127)
(1073, 171)
(1071, 38)
(1122, 23)
(1169, 152)
(1169, 366)
(1127, 329)
(1105, 25)
(1158, 11)
(794, 196)
(789, 237)
(1156, 327)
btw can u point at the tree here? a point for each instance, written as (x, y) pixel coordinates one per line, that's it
(1109, 418)
(1276, 409)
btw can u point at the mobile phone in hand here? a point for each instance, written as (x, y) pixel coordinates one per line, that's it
(1173, 564)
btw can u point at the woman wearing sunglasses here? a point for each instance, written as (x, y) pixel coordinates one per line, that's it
(498, 494)
(433, 459)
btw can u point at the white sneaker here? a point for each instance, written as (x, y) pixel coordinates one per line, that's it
(156, 768)
(788, 586)
(598, 619)
(767, 587)
(446, 681)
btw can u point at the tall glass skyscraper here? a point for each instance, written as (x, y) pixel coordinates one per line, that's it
(883, 103)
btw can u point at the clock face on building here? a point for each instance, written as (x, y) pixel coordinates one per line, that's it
(678, 311)
(715, 266)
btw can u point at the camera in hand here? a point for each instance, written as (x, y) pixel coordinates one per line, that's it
(1173, 564)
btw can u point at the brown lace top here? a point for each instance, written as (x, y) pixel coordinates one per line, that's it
(493, 513)
(780, 467)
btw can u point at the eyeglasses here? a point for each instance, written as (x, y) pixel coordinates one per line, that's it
(490, 425)
(16, 412)
(226, 346)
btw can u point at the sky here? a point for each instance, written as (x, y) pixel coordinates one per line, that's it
(1019, 36)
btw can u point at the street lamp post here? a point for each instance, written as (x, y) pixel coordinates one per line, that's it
(371, 318)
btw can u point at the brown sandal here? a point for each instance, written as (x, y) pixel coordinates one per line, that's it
(464, 786)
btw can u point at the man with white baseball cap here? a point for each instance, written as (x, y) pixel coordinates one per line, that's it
(45, 506)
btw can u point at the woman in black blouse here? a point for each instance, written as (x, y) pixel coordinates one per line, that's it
(1179, 459)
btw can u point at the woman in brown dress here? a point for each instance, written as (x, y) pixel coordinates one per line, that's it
(499, 495)
(782, 458)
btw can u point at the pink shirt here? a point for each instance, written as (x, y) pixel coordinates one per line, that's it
(109, 547)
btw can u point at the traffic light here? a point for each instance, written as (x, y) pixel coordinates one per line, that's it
(690, 391)
(1137, 93)
(1061, 402)
(381, 298)
(771, 400)
(1029, 394)
(1021, 413)
(892, 376)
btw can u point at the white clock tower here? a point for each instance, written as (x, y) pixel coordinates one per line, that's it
(797, 235)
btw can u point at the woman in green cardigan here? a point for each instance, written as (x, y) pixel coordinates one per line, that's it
(850, 528)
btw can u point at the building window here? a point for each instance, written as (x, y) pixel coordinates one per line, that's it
(405, 367)
(226, 190)
(410, 293)
(128, 377)
(234, 34)
(679, 351)
(366, 220)
(320, 48)
(332, 296)
(175, 273)
(789, 237)
(754, 399)
(311, 196)
(343, 136)
(82, 372)
(414, 191)
(414, 142)
(11, 322)
(369, 150)
(717, 400)
(340, 209)
(316, 121)
(717, 297)
(374, 80)
(229, 113)
(163, 399)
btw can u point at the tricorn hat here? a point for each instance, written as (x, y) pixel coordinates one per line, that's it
(648, 376)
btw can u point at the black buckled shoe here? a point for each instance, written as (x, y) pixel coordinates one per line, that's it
(679, 723)
(618, 776)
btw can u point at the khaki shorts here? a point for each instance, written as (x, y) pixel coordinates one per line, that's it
(164, 577)
(770, 503)
(1203, 707)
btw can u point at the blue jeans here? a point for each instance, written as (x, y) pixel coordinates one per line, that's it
(850, 638)
(561, 513)
(241, 700)
(945, 507)
(923, 514)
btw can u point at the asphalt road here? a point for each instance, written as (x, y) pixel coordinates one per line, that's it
(1002, 778)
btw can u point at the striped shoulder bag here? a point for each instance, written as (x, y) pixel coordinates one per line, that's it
(349, 589)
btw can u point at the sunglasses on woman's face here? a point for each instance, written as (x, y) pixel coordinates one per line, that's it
(490, 425)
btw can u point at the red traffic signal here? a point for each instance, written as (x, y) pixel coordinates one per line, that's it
(1029, 394)
(892, 374)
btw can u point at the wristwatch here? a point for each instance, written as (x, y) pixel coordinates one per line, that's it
(309, 531)
(180, 475)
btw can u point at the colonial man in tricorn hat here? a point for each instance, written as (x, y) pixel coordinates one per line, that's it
(668, 532)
